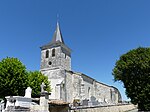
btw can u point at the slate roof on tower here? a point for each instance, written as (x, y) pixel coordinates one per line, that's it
(57, 40)
(57, 35)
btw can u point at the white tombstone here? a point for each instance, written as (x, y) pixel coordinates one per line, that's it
(28, 92)
(20, 101)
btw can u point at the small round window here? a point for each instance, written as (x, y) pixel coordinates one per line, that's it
(50, 63)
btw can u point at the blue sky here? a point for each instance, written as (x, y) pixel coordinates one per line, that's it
(97, 31)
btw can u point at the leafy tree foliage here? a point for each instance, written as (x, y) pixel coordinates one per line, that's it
(35, 79)
(13, 77)
(133, 69)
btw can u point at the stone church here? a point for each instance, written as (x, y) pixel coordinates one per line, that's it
(68, 85)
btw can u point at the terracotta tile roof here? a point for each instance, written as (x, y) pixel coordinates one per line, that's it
(57, 102)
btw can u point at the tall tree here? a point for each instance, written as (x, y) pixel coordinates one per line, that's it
(13, 77)
(133, 69)
(35, 79)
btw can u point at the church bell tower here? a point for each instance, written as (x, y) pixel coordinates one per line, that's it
(56, 55)
(55, 61)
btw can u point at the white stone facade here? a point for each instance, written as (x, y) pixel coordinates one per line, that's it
(60, 60)
(82, 87)
(68, 85)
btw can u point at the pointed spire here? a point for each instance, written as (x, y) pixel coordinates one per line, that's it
(57, 40)
(57, 35)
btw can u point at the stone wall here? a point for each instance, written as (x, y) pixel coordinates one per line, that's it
(116, 108)
(61, 59)
(56, 77)
(69, 87)
(58, 109)
(81, 87)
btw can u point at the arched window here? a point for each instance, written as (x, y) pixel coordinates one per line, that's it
(53, 52)
(47, 54)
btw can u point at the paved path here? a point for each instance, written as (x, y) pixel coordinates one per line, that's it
(135, 110)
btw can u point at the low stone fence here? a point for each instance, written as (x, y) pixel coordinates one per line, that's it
(109, 108)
